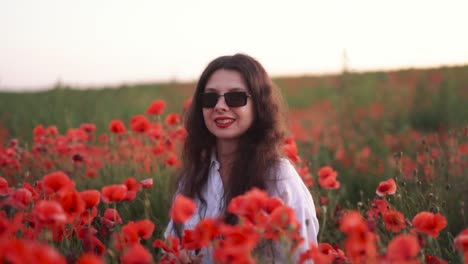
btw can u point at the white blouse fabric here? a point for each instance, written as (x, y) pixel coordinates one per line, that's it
(289, 188)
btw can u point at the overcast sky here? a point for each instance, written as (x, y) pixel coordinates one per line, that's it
(100, 42)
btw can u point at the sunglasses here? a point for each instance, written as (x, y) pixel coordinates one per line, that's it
(232, 99)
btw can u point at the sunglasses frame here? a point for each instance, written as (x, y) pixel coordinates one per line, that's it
(245, 94)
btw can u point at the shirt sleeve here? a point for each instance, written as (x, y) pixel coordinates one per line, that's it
(292, 191)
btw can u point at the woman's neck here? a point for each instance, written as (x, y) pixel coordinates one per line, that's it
(225, 153)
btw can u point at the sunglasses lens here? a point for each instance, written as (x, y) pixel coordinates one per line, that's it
(235, 99)
(209, 100)
(232, 99)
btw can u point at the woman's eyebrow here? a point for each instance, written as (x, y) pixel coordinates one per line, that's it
(234, 89)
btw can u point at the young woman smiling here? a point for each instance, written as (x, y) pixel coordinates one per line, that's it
(235, 131)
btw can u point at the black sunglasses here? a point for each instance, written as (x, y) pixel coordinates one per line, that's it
(232, 99)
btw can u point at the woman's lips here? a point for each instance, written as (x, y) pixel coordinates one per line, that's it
(224, 122)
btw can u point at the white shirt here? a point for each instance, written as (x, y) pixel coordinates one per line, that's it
(289, 188)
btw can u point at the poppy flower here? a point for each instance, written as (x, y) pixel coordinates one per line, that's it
(202, 235)
(461, 242)
(89, 258)
(139, 124)
(182, 209)
(132, 188)
(386, 187)
(171, 245)
(403, 249)
(316, 255)
(327, 178)
(136, 254)
(72, 204)
(429, 223)
(172, 160)
(20, 198)
(4, 189)
(187, 103)
(156, 107)
(91, 198)
(394, 221)
(147, 183)
(117, 126)
(434, 260)
(353, 222)
(42, 254)
(88, 128)
(114, 193)
(142, 228)
(56, 182)
(291, 151)
(172, 119)
(111, 217)
(49, 213)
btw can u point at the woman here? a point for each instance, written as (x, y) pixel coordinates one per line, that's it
(234, 143)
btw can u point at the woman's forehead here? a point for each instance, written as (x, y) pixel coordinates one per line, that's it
(225, 80)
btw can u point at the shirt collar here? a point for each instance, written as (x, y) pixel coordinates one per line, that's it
(214, 162)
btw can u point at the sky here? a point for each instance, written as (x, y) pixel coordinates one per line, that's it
(91, 43)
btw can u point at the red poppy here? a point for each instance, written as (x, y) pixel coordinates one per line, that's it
(88, 216)
(140, 124)
(461, 242)
(91, 198)
(56, 182)
(380, 206)
(327, 178)
(316, 255)
(337, 255)
(394, 221)
(403, 249)
(237, 245)
(204, 232)
(172, 160)
(172, 119)
(49, 213)
(353, 222)
(282, 222)
(136, 254)
(42, 254)
(147, 183)
(132, 188)
(89, 258)
(429, 223)
(4, 189)
(142, 228)
(187, 103)
(72, 204)
(111, 217)
(114, 193)
(182, 209)
(117, 126)
(156, 107)
(20, 198)
(434, 260)
(171, 245)
(291, 151)
(463, 148)
(249, 204)
(39, 131)
(88, 128)
(386, 187)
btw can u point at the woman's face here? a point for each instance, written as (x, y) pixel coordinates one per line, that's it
(223, 121)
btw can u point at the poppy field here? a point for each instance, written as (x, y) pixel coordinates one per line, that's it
(85, 175)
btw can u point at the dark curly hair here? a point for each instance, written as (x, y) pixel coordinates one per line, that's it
(259, 147)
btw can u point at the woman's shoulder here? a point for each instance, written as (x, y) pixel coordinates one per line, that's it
(283, 170)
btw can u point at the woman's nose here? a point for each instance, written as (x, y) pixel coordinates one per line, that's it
(221, 104)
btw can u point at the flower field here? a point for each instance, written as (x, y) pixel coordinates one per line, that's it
(85, 174)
